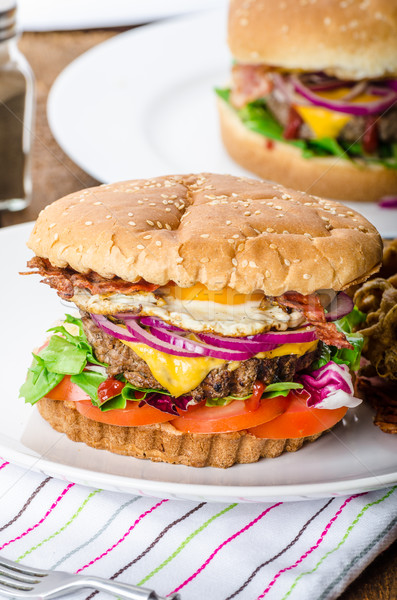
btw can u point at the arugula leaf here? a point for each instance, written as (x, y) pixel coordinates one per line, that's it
(281, 388)
(89, 381)
(346, 325)
(39, 382)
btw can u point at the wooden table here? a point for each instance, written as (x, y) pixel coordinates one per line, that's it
(55, 175)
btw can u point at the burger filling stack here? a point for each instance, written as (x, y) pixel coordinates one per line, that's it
(212, 325)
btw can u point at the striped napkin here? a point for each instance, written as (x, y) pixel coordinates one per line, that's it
(280, 550)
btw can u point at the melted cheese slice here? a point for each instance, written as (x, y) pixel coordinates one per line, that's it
(298, 349)
(329, 123)
(323, 122)
(179, 374)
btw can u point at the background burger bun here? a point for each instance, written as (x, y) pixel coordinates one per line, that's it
(329, 177)
(352, 39)
(217, 230)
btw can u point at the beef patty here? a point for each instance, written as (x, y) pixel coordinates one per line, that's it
(220, 382)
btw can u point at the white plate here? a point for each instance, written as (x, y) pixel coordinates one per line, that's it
(143, 104)
(356, 456)
(56, 15)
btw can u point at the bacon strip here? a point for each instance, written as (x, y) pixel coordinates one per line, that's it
(65, 280)
(249, 82)
(311, 307)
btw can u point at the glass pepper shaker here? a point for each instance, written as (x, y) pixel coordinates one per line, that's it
(16, 115)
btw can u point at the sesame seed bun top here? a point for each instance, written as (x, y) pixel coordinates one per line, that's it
(217, 230)
(347, 38)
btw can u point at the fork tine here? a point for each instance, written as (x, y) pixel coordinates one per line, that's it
(7, 574)
(6, 587)
(4, 562)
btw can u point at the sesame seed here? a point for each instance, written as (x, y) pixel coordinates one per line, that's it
(287, 262)
(88, 222)
(247, 213)
(306, 275)
(147, 237)
(56, 237)
(296, 260)
(234, 262)
(341, 215)
(230, 241)
(164, 195)
(236, 236)
(269, 230)
(204, 259)
(108, 217)
(253, 264)
(350, 213)
(52, 225)
(257, 231)
(228, 222)
(140, 247)
(361, 228)
(240, 247)
(158, 243)
(150, 222)
(270, 203)
(278, 207)
(279, 216)
(308, 235)
(244, 263)
(273, 246)
(130, 214)
(257, 212)
(205, 235)
(168, 226)
(97, 203)
(325, 218)
(179, 259)
(152, 204)
(159, 225)
(267, 273)
(286, 232)
(168, 209)
(308, 203)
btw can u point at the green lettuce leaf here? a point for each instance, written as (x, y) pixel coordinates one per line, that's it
(80, 340)
(39, 382)
(259, 119)
(66, 355)
(281, 388)
(351, 358)
(89, 381)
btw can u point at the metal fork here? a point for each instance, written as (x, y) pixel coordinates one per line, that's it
(17, 581)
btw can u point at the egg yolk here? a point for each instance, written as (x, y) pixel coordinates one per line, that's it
(203, 294)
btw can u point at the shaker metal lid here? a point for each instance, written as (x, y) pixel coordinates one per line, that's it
(7, 19)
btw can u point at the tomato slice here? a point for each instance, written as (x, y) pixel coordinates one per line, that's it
(234, 417)
(299, 420)
(131, 416)
(66, 390)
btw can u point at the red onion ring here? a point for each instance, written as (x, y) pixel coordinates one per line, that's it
(388, 202)
(154, 322)
(236, 343)
(355, 109)
(341, 305)
(112, 329)
(182, 343)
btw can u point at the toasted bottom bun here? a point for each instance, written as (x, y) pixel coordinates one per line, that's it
(163, 443)
(328, 177)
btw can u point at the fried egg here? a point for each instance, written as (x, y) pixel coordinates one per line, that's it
(198, 309)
